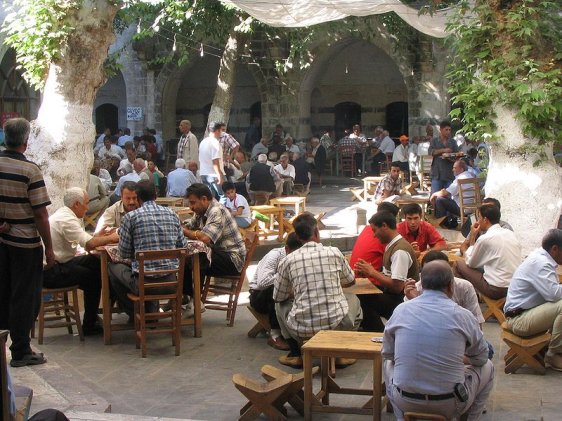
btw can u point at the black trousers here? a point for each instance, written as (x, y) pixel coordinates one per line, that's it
(220, 265)
(375, 306)
(83, 271)
(262, 302)
(21, 280)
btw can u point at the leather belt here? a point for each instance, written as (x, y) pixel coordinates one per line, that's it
(515, 312)
(422, 397)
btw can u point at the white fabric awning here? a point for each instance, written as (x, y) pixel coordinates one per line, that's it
(298, 13)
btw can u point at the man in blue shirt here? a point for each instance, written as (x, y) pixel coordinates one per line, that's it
(534, 296)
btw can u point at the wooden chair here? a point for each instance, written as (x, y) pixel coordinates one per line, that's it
(470, 197)
(91, 220)
(414, 416)
(347, 160)
(495, 308)
(294, 393)
(261, 397)
(152, 291)
(252, 227)
(231, 289)
(385, 165)
(423, 171)
(59, 312)
(524, 350)
(262, 325)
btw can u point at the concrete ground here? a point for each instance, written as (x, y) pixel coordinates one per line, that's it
(86, 379)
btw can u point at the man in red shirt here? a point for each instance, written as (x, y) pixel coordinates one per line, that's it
(420, 234)
(368, 247)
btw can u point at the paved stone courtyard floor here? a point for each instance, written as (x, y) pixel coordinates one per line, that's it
(86, 379)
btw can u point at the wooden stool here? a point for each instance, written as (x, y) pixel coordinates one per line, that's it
(252, 227)
(294, 393)
(262, 325)
(494, 308)
(61, 309)
(413, 416)
(524, 350)
(90, 220)
(261, 397)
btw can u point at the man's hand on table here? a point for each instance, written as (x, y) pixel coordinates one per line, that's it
(111, 234)
(363, 268)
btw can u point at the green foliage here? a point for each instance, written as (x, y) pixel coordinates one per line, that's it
(38, 30)
(508, 54)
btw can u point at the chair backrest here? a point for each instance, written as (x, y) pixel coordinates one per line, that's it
(150, 255)
(251, 242)
(470, 195)
(425, 162)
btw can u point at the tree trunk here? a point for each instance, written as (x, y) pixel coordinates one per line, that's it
(63, 134)
(531, 196)
(224, 93)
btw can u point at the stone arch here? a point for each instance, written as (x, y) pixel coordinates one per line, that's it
(326, 54)
(114, 92)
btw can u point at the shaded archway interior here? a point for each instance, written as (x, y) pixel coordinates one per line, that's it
(112, 93)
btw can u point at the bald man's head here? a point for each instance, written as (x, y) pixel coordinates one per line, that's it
(436, 275)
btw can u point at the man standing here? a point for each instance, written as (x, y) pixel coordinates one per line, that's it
(425, 343)
(399, 264)
(262, 286)
(150, 227)
(24, 222)
(390, 186)
(74, 265)
(214, 225)
(286, 172)
(442, 167)
(113, 215)
(534, 296)
(309, 292)
(447, 202)
(210, 159)
(420, 234)
(179, 180)
(491, 260)
(188, 148)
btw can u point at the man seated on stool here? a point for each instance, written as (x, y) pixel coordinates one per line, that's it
(262, 284)
(491, 260)
(213, 225)
(534, 297)
(113, 215)
(420, 234)
(368, 247)
(427, 343)
(399, 265)
(309, 296)
(286, 173)
(74, 265)
(390, 187)
(150, 227)
(237, 205)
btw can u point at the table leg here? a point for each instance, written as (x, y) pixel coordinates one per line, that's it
(105, 299)
(196, 296)
(363, 163)
(307, 363)
(377, 387)
(281, 225)
(324, 374)
(337, 162)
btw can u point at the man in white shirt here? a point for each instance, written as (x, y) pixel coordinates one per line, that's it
(109, 150)
(188, 148)
(259, 148)
(101, 137)
(286, 173)
(446, 201)
(384, 150)
(237, 205)
(291, 147)
(534, 297)
(490, 261)
(210, 159)
(125, 138)
(179, 180)
(126, 165)
(401, 154)
(137, 175)
(74, 266)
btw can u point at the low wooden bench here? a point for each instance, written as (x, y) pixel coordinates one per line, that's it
(262, 325)
(524, 350)
(494, 308)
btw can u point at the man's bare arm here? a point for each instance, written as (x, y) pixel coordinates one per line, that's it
(41, 217)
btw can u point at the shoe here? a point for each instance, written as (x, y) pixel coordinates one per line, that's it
(295, 362)
(35, 358)
(553, 361)
(92, 330)
(278, 343)
(344, 362)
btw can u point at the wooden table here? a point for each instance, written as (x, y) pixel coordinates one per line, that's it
(183, 212)
(107, 310)
(328, 344)
(368, 183)
(363, 286)
(421, 199)
(275, 214)
(169, 201)
(295, 201)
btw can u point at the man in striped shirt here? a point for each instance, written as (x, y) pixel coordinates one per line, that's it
(24, 222)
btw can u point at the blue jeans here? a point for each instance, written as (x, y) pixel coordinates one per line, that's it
(212, 182)
(437, 185)
(242, 222)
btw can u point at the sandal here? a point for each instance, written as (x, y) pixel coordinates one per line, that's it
(35, 358)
